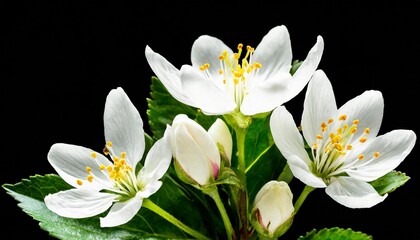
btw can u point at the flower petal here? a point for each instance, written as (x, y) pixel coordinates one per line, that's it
(79, 203)
(274, 52)
(286, 135)
(266, 95)
(122, 212)
(319, 106)
(220, 133)
(302, 172)
(124, 126)
(306, 70)
(368, 108)
(206, 50)
(149, 189)
(157, 160)
(207, 96)
(71, 161)
(393, 148)
(168, 75)
(354, 193)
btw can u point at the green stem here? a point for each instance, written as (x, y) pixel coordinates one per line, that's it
(214, 194)
(302, 197)
(147, 203)
(240, 143)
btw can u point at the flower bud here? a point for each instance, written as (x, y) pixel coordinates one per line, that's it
(221, 135)
(273, 211)
(197, 158)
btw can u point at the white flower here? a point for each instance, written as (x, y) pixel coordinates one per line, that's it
(346, 152)
(273, 209)
(100, 184)
(221, 135)
(220, 81)
(194, 151)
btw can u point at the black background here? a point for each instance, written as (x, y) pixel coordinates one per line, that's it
(59, 60)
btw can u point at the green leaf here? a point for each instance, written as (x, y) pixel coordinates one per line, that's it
(263, 160)
(335, 234)
(389, 182)
(145, 225)
(162, 108)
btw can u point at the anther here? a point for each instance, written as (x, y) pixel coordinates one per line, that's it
(90, 178)
(93, 154)
(361, 156)
(362, 139)
(79, 182)
(88, 169)
(376, 154)
(342, 117)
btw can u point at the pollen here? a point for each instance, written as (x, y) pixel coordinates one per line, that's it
(204, 66)
(79, 182)
(319, 137)
(330, 121)
(349, 147)
(361, 156)
(88, 169)
(90, 178)
(102, 167)
(93, 154)
(109, 144)
(342, 117)
(257, 65)
(356, 121)
(362, 139)
(376, 154)
(367, 130)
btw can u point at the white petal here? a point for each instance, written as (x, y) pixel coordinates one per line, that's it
(286, 135)
(353, 193)
(302, 172)
(368, 108)
(319, 106)
(157, 160)
(207, 49)
(205, 94)
(122, 212)
(168, 75)
(306, 70)
(220, 133)
(266, 95)
(124, 126)
(274, 52)
(70, 162)
(150, 189)
(393, 148)
(79, 203)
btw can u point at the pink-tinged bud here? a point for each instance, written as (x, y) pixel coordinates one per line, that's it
(221, 135)
(273, 211)
(196, 154)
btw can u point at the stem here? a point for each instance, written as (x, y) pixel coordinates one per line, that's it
(214, 194)
(147, 203)
(240, 143)
(302, 197)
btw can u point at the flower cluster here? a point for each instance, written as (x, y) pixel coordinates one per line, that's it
(235, 148)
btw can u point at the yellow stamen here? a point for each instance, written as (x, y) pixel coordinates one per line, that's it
(361, 156)
(319, 137)
(101, 167)
(79, 182)
(342, 117)
(362, 139)
(88, 169)
(349, 147)
(93, 154)
(90, 178)
(367, 130)
(376, 154)
(356, 121)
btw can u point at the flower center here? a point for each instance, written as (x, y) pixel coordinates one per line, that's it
(332, 146)
(122, 174)
(237, 73)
